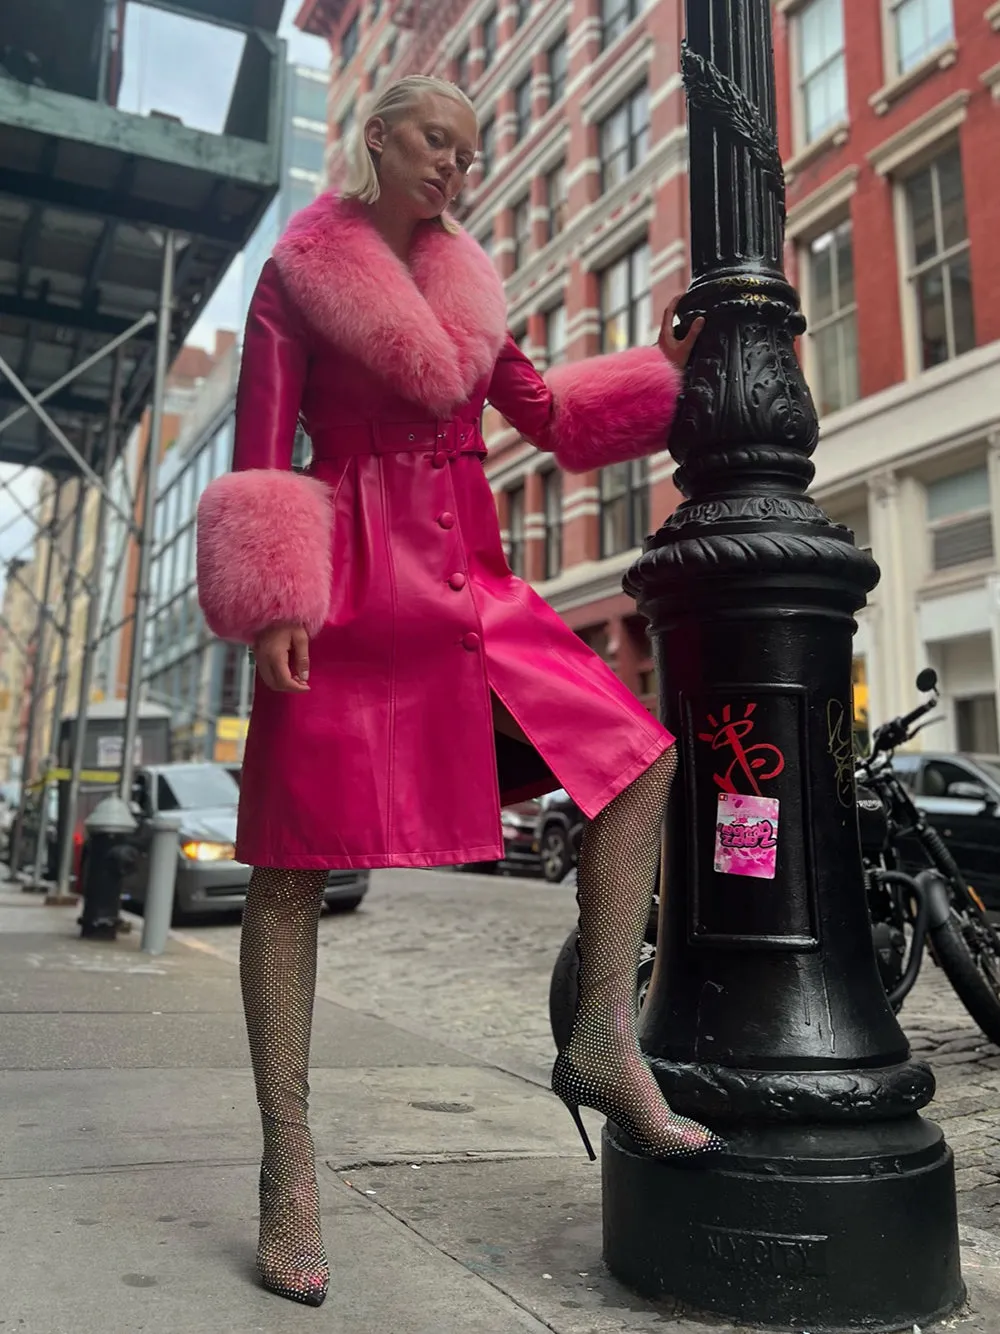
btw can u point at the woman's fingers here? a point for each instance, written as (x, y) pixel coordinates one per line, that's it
(275, 652)
(300, 657)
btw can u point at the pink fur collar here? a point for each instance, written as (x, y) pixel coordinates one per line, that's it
(433, 331)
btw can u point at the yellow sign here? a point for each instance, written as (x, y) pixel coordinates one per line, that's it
(230, 729)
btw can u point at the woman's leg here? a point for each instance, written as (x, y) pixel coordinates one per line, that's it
(278, 976)
(603, 1066)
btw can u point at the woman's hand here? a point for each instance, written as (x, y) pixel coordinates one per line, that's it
(675, 349)
(282, 657)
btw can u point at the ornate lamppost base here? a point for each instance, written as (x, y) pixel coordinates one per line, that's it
(830, 1229)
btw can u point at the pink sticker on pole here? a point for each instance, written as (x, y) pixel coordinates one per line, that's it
(746, 836)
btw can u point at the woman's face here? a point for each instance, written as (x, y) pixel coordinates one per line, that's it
(423, 159)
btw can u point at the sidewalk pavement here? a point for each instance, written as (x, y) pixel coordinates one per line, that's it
(457, 1199)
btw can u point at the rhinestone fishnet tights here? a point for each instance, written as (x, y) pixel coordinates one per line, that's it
(603, 1066)
(278, 976)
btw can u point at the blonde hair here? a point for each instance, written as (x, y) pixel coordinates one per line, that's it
(392, 104)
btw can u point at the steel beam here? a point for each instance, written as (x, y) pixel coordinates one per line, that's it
(36, 685)
(130, 727)
(65, 863)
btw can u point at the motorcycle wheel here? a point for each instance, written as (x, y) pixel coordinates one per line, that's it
(968, 950)
(564, 987)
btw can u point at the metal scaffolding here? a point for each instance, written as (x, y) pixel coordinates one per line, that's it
(118, 227)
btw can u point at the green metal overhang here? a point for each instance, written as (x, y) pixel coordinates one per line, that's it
(86, 191)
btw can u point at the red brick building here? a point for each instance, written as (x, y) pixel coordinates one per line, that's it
(890, 127)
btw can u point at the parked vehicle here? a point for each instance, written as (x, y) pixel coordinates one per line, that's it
(960, 796)
(560, 829)
(209, 879)
(520, 841)
(932, 909)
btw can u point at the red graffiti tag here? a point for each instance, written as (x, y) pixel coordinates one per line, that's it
(758, 763)
(760, 834)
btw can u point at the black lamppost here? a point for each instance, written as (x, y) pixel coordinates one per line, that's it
(835, 1207)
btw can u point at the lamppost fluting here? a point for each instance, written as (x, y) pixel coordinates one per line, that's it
(834, 1208)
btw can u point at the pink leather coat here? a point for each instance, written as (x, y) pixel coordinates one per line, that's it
(389, 552)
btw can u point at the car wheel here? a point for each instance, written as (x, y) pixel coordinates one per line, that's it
(554, 854)
(340, 905)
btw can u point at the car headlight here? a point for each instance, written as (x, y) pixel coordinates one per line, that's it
(196, 851)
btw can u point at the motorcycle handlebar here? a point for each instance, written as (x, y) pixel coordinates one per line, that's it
(894, 733)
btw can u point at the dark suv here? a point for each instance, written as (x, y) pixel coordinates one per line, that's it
(560, 829)
(960, 795)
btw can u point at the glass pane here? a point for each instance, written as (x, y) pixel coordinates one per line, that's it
(845, 267)
(641, 259)
(940, 22)
(643, 324)
(953, 224)
(614, 481)
(821, 277)
(614, 288)
(911, 41)
(825, 343)
(920, 193)
(308, 150)
(850, 375)
(962, 493)
(555, 332)
(614, 527)
(933, 326)
(614, 132)
(310, 99)
(811, 45)
(639, 109)
(961, 305)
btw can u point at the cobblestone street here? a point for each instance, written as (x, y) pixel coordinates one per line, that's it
(466, 960)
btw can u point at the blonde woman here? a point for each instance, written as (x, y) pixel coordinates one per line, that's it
(410, 684)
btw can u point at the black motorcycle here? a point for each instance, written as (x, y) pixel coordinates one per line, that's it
(918, 899)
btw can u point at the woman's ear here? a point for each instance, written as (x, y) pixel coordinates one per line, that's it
(375, 135)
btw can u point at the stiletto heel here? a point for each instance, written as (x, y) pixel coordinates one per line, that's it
(602, 1066)
(575, 1114)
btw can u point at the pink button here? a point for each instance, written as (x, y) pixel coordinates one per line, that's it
(446, 520)
(470, 641)
(457, 582)
(439, 459)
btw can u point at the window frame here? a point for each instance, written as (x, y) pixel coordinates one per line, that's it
(637, 144)
(913, 271)
(634, 300)
(517, 547)
(838, 319)
(561, 43)
(616, 17)
(893, 56)
(557, 209)
(552, 515)
(522, 231)
(632, 497)
(803, 138)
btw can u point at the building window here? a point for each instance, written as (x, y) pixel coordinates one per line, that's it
(515, 528)
(940, 270)
(558, 69)
(961, 523)
(376, 9)
(345, 125)
(976, 727)
(522, 9)
(462, 68)
(552, 496)
(555, 335)
(487, 147)
(833, 320)
(522, 231)
(310, 100)
(624, 506)
(626, 301)
(491, 34)
(822, 72)
(625, 138)
(522, 107)
(349, 41)
(308, 150)
(556, 197)
(919, 28)
(486, 243)
(616, 15)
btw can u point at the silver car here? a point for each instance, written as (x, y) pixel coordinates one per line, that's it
(209, 878)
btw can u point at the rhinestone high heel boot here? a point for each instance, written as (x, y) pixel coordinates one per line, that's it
(602, 1065)
(278, 976)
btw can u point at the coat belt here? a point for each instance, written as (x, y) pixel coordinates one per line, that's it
(449, 438)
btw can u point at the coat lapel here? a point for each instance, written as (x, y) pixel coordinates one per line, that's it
(432, 330)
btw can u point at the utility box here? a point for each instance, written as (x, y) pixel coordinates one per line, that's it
(102, 755)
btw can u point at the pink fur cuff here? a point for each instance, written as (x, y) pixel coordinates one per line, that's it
(264, 553)
(612, 408)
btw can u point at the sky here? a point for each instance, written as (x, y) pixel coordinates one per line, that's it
(186, 69)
